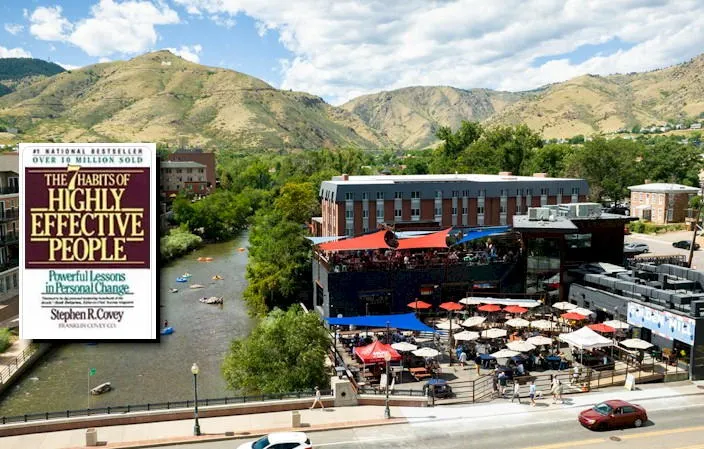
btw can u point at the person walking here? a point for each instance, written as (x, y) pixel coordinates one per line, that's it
(502, 384)
(553, 388)
(516, 391)
(463, 358)
(317, 399)
(531, 393)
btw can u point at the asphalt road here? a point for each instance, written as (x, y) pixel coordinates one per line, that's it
(662, 245)
(671, 426)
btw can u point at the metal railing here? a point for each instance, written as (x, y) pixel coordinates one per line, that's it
(173, 405)
(7, 371)
(9, 214)
(392, 392)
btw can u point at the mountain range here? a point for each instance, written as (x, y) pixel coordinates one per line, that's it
(164, 98)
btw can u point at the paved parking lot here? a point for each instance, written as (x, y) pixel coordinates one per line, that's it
(661, 244)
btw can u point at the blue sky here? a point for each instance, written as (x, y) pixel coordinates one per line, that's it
(344, 48)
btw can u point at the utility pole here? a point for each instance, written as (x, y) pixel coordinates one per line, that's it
(694, 236)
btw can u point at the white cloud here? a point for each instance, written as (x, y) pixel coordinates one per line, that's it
(113, 27)
(68, 66)
(14, 53)
(48, 24)
(189, 53)
(14, 28)
(223, 21)
(350, 47)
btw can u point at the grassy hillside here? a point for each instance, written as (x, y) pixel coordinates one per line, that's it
(409, 117)
(600, 104)
(17, 72)
(161, 97)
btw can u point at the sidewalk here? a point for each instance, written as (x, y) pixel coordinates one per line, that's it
(8, 357)
(250, 426)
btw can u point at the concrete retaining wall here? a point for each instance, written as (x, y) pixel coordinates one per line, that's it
(36, 355)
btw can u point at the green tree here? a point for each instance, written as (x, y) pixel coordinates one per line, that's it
(579, 138)
(669, 161)
(297, 202)
(456, 142)
(550, 159)
(284, 353)
(610, 166)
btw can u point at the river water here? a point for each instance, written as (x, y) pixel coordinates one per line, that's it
(151, 372)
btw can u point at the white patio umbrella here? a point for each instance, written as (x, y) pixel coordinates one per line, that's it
(473, 321)
(636, 343)
(466, 336)
(543, 324)
(404, 346)
(539, 340)
(445, 325)
(617, 324)
(426, 352)
(494, 333)
(520, 346)
(582, 311)
(562, 305)
(505, 354)
(517, 322)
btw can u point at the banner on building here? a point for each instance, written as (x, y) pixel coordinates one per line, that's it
(665, 324)
(88, 242)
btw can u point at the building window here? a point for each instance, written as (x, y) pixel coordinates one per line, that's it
(518, 209)
(365, 196)
(502, 209)
(380, 212)
(670, 214)
(562, 190)
(454, 211)
(349, 214)
(365, 229)
(529, 192)
(438, 194)
(465, 193)
(575, 190)
(575, 241)
(504, 192)
(398, 195)
(455, 193)
(480, 210)
(661, 197)
(365, 213)
(415, 212)
(397, 213)
(544, 191)
(464, 211)
(415, 195)
(380, 195)
(349, 196)
(348, 232)
(438, 211)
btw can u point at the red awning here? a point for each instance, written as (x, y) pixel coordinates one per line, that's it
(489, 308)
(450, 306)
(383, 239)
(374, 353)
(573, 316)
(601, 327)
(434, 240)
(515, 309)
(419, 305)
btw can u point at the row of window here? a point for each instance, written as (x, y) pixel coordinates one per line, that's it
(350, 196)
(185, 170)
(415, 212)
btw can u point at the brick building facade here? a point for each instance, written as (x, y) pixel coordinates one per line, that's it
(199, 156)
(353, 205)
(661, 203)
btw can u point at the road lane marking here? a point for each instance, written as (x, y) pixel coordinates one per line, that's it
(632, 436)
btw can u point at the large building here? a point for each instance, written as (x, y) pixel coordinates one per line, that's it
(9, 235)
(183, 176)
(353, 205)
(664, 304)
(563, 237)
(661, 203)
(199, 156)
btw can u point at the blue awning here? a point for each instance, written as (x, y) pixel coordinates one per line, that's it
(478, 234)
(406, 321)
(319, 240)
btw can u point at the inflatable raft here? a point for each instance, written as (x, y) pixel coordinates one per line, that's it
(205, 259)
(212, 300)
(181, 279)
(217, 277)
(196, 286)
(167, 331)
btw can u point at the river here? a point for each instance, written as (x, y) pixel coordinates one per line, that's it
(151, 372)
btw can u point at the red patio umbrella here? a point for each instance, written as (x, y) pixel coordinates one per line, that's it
(419, 305)
(489, 308)
(515, 309)
(601, 327)
(573, 316)
(450, 306)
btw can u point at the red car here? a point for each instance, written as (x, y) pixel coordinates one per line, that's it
(613, 414)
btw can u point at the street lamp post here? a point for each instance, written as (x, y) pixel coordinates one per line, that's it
(387, 410)
(196, 426)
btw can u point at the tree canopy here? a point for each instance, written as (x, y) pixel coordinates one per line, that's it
(284, 353)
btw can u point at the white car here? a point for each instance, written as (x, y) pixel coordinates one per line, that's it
(638, 248)
(279, 440)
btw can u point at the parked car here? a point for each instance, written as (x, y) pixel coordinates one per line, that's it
(636, 248)
(613, 415)
(279, 440)
(684, 244)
